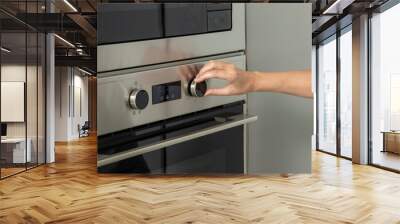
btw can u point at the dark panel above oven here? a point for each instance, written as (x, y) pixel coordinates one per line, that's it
(128, 22)
(219, 20)
(185, 19)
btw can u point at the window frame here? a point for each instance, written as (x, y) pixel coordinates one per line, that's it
(336, 36)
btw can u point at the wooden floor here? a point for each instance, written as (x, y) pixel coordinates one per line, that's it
(387, 159)
(70, 191)
(5, 172)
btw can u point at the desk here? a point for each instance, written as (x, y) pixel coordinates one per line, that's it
(13, 150)
(391, 141)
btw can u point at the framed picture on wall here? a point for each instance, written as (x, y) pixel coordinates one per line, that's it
(12, 101)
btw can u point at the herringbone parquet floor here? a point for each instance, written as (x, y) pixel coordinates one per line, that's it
(70, 191)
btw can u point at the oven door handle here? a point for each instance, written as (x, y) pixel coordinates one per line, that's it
(230, 122)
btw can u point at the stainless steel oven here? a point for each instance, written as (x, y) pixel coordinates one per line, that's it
(134, 35)
(155, 121)
(152, 117)
(166, 91)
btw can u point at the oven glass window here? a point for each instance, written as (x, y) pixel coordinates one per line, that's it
(220, 152)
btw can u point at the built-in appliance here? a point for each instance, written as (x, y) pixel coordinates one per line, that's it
(152, 117)
(159, 121)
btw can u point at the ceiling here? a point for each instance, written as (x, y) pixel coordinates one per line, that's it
(332, 15)
(72, 20)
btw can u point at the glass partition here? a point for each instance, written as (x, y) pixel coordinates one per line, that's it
(327, 95)
(14, 153)
(385, 89)
(31, 99)
(346, 93)
(22, 77)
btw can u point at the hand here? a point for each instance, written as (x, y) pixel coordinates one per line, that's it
(239, 81)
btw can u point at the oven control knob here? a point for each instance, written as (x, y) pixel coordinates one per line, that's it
(197, 89)
(138, 99)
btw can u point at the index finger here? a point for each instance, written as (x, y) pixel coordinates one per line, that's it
(214, 73)
(212, 65)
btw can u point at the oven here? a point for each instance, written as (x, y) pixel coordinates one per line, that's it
(152, 117)
(154, 121)
(166, 32)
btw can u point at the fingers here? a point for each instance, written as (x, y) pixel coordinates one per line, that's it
(218, 92)
(214, 73)
(212, 65)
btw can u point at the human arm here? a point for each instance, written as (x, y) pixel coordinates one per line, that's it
(296, 83)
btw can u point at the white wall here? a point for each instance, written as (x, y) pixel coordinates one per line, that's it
(62, 81)
(80, 83)
(69, 81)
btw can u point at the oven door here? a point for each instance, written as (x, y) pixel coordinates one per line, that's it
(220, 152)
(159, 33)
(206, 142)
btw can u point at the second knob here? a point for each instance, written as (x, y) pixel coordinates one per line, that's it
(197, 89)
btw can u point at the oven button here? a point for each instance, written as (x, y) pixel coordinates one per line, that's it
(138, 99)
(197, 89)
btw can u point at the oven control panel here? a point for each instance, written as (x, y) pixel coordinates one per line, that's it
(166, 92)
(131, 99)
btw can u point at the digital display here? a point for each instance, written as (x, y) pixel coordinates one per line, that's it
(166, 92)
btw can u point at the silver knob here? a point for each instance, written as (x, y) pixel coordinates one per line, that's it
(138, 99)
(197, 89)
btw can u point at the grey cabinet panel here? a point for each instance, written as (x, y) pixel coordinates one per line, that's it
(128, 22)
(278, 38)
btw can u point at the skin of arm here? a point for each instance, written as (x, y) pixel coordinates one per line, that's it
(297, 83)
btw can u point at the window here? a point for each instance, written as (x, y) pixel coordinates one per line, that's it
(346, 92)
(334, 106)
(395, 102)
(327, 96)
(385, 89)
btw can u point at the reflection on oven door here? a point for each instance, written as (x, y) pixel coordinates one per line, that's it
(149, 163)
(221, 152)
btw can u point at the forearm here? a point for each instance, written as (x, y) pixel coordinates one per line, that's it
(296, 83)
